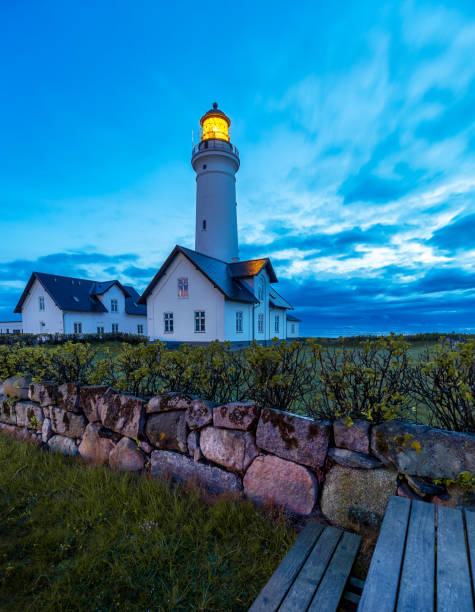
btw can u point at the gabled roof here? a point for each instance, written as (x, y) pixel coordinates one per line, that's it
(277, 301)
(132, 306)
(73, 294)
(216, 271)
(252, 267)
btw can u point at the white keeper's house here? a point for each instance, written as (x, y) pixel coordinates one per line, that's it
(209, 294)
(53, 304)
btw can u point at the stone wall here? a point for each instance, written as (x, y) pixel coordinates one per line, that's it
(345, 473)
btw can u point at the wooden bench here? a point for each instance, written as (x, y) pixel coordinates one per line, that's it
(424, 560)
(313, 574)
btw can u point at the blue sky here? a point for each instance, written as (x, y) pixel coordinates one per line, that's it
(355, 124)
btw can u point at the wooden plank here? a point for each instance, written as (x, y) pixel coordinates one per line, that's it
(470, 523)
(454, 590)
(281, 580)
(416, 589)
(306, 583)
(381, 584)
(331, 587)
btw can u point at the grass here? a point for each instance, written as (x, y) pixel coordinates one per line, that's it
(73, 536)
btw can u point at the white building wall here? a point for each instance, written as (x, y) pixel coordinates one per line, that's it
(90, 321)
(32, 316)
(230, 310)
(293, 329)
(202, 295)
(11, 327)
(281, 314)
(215, 168)
(263, 307)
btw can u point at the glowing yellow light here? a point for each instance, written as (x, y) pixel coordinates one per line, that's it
(215, 127)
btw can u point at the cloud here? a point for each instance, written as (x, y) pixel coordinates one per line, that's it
(139, 273)
(456, 236)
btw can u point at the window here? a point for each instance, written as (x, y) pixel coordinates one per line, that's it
(276, 324)
(115, 327)
(199, 321)
(261, 291)
(41, 300)
(42, 325)
(182, 287)
(78, 328)
(140, 329)
(100, 329)
(239, 322)
(292, 328)
(114, 306)
(260, 323)
(168, 322)
(204, 224)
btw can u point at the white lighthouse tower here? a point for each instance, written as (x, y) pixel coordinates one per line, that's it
(216, 161)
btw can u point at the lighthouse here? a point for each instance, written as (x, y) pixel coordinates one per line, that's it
(208, 293)
(216, 160)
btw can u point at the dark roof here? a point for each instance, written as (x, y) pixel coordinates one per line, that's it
(252, 267)
(216, 271)
(292, 318)
(132, 306)
(278, 301)
(75, 294)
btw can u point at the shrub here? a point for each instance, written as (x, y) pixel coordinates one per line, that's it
(135, 369)
(282, 375)
(367, 381)
(444, 382)
(53, 339)
(214, 372)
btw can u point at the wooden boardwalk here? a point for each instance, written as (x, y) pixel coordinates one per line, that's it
(424, 560)
(313, 574)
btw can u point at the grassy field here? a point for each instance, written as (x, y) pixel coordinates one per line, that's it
(76, 537)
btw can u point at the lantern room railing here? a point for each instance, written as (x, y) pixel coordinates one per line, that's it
(215, 143)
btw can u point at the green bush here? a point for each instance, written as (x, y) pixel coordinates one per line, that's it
(375, 379)
(53, 339)
(366, 381)
(444, 382)
(282, 375)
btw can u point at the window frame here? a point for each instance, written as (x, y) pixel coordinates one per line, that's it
(183, 292)
(116, 325)
(100, 327)
(77, 326)
(168, 322)
(114, 305)
(261, 290)
(276, 324)
(239, 321)
(200, 321)
(260, 323)
(41, 303)
(140, 328)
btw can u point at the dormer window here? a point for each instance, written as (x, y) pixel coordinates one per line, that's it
(182, 287)
(114, 305)
(41, 301)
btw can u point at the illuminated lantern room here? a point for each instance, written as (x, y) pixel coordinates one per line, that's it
(215, 124)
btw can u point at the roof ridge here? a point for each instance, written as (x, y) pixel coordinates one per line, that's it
(204, 255)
